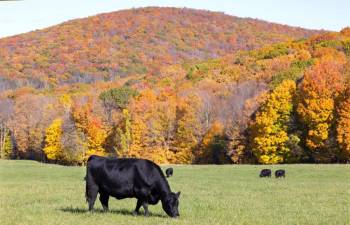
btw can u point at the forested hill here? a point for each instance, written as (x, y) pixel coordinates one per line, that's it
(137, 41)
(285, 102)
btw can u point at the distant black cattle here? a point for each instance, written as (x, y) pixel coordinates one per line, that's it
(129, 178)
(280, 173)
(265, 173)
(169, 172)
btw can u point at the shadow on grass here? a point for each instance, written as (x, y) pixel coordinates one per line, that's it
(116, 211)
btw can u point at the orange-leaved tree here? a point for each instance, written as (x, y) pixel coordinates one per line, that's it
(319, 89)
(343, 124)
(91, 126)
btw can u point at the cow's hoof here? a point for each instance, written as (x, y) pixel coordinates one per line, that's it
(135, 213)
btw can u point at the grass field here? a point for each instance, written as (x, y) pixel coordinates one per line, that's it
(35, 193)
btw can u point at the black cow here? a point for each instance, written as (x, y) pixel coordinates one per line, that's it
(280, 173)
(169, 172)
(265, 173)
(129, 178)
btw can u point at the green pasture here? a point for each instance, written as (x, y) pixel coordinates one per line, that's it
(36, 193)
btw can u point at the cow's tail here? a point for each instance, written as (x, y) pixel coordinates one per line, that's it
(86, 186)
(88, 180)
(87, 183)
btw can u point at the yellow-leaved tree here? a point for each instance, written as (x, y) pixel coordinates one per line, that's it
(96, 137)
(138, 131)
(124, 133)
(269, 131)
(186, 127)
(53, 148)
(6, 147)
(66, 101)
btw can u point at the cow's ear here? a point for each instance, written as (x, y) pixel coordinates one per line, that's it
(178, 194)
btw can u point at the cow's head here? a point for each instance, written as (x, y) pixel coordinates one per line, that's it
(171, 204)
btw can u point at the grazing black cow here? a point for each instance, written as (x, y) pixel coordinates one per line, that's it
(265, 173)
(129, 178)
(280, 173)
(169, 172)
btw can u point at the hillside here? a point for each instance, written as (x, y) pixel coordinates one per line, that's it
(282, 103)
(138, 41)
(285, 102)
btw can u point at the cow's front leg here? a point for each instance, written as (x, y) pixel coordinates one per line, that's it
(138, 205)
(145, 207)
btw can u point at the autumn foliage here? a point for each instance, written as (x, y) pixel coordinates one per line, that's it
(343, 124)
(128, 42)
(269, 132)
(53, 148)
(167, 85)
(92, 128)
(321, 86)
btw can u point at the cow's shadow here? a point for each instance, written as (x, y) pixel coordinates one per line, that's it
(124, 212)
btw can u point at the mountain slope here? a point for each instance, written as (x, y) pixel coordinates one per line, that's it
(211, 111)
(137, 41)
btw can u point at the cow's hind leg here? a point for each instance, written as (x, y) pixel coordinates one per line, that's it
(138, 206)
(104, 200)
(92, 195)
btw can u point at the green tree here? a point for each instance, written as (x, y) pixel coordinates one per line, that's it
(117, 98)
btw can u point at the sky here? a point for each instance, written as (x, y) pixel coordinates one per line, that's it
(22, 16)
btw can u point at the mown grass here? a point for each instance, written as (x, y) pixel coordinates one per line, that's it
(35, 193)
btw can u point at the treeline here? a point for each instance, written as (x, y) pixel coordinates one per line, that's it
(308, 122)
(284, 103)
(165, 125)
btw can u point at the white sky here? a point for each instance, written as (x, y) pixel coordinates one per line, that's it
(23, 16)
